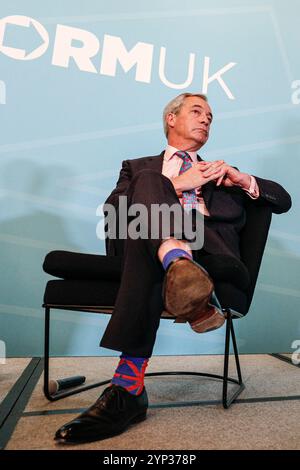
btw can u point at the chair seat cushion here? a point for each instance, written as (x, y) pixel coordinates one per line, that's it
(80, 266)
(78, 293)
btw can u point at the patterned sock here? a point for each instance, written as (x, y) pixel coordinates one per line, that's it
(173, 254)
(130, 373)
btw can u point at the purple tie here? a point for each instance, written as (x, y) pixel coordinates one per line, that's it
(189, 198)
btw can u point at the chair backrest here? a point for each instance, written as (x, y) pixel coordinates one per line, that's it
(253, 238)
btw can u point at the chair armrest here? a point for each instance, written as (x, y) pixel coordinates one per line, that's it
(81, 266)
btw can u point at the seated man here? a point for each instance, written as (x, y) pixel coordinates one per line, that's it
(177, 176)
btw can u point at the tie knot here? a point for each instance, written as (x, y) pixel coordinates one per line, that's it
(183, 155)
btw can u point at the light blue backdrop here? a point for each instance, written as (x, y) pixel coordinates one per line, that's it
(65, 132)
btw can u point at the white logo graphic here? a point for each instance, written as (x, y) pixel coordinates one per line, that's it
(2, 353)
(2, 92)
(296, 354)
(296, 93)
(27, 22)
(114, 55)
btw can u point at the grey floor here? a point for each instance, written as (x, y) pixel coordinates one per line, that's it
(266, 415)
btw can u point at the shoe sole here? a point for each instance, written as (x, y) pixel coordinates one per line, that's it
(186, 289)
(135, 420)
(213, 322)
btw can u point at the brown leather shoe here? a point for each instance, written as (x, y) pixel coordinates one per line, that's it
(208, 320)
(187, 289)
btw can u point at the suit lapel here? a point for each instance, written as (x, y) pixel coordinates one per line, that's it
(207, 192)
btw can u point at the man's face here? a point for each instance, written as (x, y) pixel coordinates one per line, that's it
(191, 125)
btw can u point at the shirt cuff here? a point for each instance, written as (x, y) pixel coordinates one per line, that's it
(253, 190)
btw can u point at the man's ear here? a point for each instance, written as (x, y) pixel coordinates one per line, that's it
(171, 119)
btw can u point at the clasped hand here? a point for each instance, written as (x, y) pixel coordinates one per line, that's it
(223, 174)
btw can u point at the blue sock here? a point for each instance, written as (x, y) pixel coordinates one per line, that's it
(173, 254)
(130, 373)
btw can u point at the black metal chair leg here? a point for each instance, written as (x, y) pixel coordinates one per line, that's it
(236, 355)
(46, 354)
(227, 401)
(59, 395)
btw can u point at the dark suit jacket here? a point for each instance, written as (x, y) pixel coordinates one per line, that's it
(225, 205)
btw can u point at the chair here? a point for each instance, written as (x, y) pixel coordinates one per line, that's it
(89, 283)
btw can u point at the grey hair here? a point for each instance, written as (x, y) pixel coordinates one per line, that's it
(175, 105)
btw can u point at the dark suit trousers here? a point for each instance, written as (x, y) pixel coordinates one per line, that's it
(136, 316)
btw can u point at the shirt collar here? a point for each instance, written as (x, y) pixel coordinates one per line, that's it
(169, 152)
